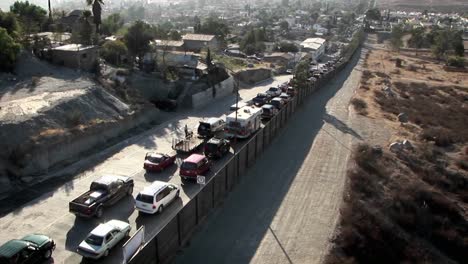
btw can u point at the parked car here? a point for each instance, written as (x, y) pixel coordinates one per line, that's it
(216, 147)
(158, 161)
(156, 197)
(277, 102)
(193, 166)
(274, 91)
(261, 99)
(210, 127)
(286, 97)
(103, 238)
(103, 192)
(269, 111)
(291, 91)
(34, 248)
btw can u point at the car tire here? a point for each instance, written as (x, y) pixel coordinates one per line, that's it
(127, 234)
(106, 253)
(48, 254)
(160, 209)
(177, 194)
(130, 191)
(99, 212)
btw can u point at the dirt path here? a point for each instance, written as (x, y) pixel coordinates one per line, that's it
(287, 206)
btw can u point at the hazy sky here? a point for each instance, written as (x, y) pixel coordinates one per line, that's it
(5, 4)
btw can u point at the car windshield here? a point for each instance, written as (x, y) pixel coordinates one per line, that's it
(188, 166)
(211, 147)
(144, 198)
(266, 110)
(94, 240)
(204, 126)
(154, 159)
(261, 95)
(273, 89)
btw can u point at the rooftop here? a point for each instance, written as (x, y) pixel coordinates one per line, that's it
(168, 43)
(74, 47)
(12, 247)
(312, 43)
(194, 158)
(198, 37)
(155, 187)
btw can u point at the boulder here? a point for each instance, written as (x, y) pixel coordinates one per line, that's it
(396, 147)
(407, 145)
(403, 118)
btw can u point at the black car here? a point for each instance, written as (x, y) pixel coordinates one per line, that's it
(31, 249)
(216, 147)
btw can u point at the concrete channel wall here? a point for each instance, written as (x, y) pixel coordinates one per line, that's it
(163, 246)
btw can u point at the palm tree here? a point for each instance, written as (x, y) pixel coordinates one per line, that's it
(97, 10)
(50, 11)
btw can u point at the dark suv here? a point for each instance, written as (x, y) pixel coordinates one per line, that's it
(216, 147)
(30, 249)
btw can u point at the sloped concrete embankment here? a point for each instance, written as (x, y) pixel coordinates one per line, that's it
(222, 89)
(253, 76)
(63, 132)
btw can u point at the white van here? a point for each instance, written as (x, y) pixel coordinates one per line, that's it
(208, 128)
(155, 197)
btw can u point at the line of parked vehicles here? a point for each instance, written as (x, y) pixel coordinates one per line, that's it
(212, 139)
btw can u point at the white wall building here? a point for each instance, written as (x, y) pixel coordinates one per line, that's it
(314, 46)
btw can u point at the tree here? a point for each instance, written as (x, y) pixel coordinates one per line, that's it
(175, 35)
(9, 22)
(253, 41)
(50, 10)
(288, 47)
(214, 26)
(417, 38)
(138, 37)
(284, 25)
(112, 51)
(395, 37)
(301, 75)
(285, 2)
(9, 50)
(373, 14)
(111, 24)
(208, 58)
(97, 11)
(441, 43)
(31, 16)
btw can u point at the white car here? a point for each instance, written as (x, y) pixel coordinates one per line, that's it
(274, 91)
(156, 197)
(285, 96)
(103, 238)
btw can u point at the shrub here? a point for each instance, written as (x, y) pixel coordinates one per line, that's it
(74, 118)
(113, 51)
(456, 61)
(359, 105)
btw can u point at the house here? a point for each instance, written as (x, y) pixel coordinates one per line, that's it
(195, 42)
(68, 22)
(314, 46)
(76, 56)
(187, 64)
(270, 46)
(279, 58)
(169, 45)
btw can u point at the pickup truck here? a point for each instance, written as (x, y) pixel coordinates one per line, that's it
(261, 99)
(103, 192)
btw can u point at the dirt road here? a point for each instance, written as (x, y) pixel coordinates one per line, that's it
(287, 207)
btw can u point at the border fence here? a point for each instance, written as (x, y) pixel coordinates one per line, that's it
(162, 248)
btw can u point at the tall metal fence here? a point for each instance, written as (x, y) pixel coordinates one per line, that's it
(163, 246)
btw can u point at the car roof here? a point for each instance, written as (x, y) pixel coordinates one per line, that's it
(194, 158)
(154, 155)
(103, 229)
(214, 140)
(154, 188)
(268, 106)
(108, 179)
(211, 120)
(277, 99)
(284, 94)
(12, 247)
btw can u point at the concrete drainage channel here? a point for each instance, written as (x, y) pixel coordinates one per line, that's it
(163, 246)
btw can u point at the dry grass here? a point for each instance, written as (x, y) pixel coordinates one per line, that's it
(410, 207)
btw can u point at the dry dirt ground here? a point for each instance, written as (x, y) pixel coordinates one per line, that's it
(408, 205)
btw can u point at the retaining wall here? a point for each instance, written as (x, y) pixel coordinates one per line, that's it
(223, 88)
